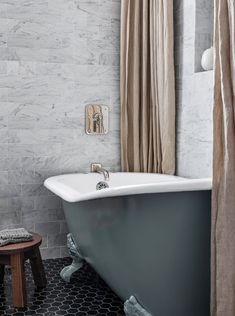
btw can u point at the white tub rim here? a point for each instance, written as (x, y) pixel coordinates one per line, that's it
(172, 184)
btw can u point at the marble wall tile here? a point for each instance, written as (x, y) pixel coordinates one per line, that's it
(32, 189)
(53, 252)
(64, 252)
(57, 240)
(194, 94)
(54, 60)
(3, 205)
(203, 29)
(48, 227)
(10, 218)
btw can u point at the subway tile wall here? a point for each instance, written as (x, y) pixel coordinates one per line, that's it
(55, 57)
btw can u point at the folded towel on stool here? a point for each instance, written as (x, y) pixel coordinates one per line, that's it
(11, 236)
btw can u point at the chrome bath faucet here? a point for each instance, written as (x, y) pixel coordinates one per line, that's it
(97, 167)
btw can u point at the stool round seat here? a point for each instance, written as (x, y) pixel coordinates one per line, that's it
(14, 255)
(21, 246)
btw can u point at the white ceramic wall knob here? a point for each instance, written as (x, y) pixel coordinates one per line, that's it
(208, 59)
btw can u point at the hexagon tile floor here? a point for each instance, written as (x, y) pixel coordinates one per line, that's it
(86, 294)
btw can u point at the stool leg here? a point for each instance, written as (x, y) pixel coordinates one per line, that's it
(38, 269)
(18, 280)
(2, 272)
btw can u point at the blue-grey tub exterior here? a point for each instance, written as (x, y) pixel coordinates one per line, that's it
(153, 246)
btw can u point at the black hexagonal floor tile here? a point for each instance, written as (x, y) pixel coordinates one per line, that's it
(86, 295)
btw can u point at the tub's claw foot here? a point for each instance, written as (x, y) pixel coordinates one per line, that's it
(133, 308)
(67, 272)
(77, 263)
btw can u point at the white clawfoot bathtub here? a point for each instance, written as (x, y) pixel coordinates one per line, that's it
(147, 235)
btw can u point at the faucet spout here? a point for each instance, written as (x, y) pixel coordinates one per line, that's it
(104, 172)
(99, 169)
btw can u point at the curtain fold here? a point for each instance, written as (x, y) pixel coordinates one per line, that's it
(147, 86)
(223, 196)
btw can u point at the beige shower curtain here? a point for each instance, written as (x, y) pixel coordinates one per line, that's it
(147, 86)
(223, 208)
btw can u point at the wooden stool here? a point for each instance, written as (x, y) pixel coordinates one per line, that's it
(15, 256)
